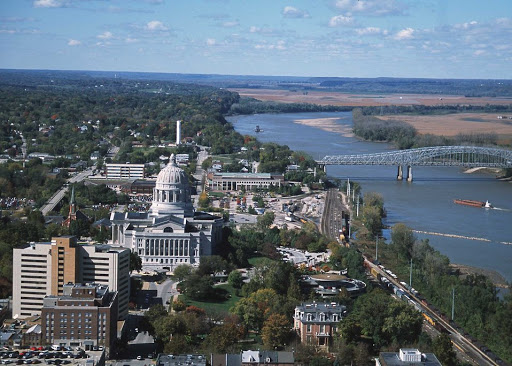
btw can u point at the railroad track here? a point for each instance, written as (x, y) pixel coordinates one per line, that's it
(460, 341)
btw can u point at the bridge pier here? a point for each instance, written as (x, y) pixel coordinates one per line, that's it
(409, 173)
(400, 174)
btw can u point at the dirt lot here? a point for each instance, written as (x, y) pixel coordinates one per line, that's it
(362, 99)
(453, 124)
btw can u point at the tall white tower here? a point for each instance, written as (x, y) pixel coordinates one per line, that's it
(178, 132)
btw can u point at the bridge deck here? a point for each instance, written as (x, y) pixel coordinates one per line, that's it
(470, 156)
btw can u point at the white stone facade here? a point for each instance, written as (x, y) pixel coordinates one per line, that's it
(171, 233)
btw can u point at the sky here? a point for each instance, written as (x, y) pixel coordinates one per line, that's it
(331, 38)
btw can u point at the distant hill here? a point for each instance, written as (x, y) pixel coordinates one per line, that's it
(466, 87)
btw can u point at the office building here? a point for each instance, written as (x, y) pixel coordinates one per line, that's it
(124, 171)
(42, 269)
(236, 181)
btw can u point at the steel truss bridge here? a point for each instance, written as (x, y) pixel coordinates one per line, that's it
(467, 156)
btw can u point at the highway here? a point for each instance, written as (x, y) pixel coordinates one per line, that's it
(472, 353)
(57, 197)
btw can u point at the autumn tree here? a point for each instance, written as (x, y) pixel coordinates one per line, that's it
(254, 309)
(275, 331)
(223, 337)
(204, 200)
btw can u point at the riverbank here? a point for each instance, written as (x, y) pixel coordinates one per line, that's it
(327, 124)
(497, 279)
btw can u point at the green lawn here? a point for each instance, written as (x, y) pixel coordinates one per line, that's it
(215, 307)
(254, 261)
(223, 158)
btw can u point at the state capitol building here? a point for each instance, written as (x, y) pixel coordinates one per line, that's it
(171, 232)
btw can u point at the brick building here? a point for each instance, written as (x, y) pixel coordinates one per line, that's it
(84, 316)
(316, 322)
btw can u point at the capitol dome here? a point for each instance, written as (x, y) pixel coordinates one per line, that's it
(171, 194)
(172, 174)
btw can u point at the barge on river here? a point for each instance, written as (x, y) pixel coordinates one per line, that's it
(473, 203)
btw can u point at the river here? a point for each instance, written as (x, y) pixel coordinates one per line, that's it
(426, 204)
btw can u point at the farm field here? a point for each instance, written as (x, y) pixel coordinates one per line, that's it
(362, 99)
(453, 124)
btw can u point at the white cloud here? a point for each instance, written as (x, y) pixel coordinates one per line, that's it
(105, 35)
(371, 7)
(231, 24)
(279, 45)
(371, 31)
(292, 12)
(49, 3)
(479, 52)
(155, 25)
(74, 42)
(263, 30)
(339, 20)
(406, 33)
(211, 42)
(467, 25)
(7, 31)
(131, 40)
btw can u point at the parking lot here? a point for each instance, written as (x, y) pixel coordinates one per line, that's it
(43, 356)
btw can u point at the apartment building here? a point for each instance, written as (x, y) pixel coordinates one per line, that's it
(85, 315)
(43, 269)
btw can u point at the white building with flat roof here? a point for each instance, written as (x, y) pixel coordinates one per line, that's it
(218, 181)
(124, 171)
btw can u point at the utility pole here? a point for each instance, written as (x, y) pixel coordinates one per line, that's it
(357, 207)
(348, 188)
(410, 275)
(377, 248)
(453, 303)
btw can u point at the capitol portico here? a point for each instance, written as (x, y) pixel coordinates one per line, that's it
(171, 233)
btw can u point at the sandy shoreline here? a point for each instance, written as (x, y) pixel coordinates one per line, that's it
(327, 124)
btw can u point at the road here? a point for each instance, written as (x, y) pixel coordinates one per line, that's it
(57, 197)
(200, 174)
(164, 290)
